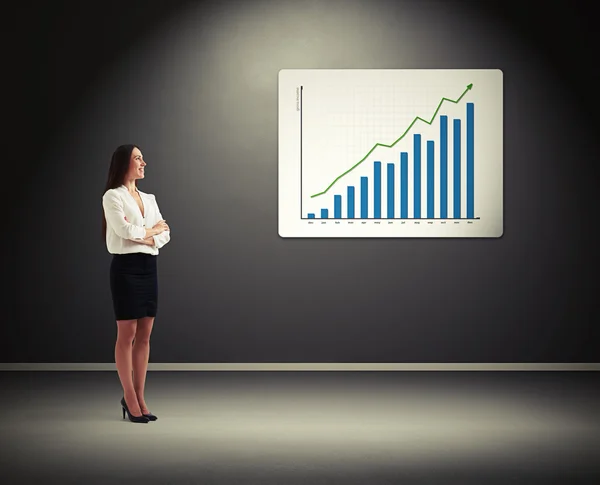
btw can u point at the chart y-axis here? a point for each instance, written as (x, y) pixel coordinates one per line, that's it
(301, 194)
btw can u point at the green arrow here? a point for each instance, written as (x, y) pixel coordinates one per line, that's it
(403, 135)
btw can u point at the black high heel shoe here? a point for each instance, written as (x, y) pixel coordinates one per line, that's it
(132, 418)
(150, 416)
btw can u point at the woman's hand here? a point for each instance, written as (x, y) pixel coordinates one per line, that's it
(160, 226)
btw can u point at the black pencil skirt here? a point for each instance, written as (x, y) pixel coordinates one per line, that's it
(134, 285)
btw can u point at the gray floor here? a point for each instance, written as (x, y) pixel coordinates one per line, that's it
(288, 428)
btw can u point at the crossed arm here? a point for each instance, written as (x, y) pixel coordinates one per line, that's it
(148, 241)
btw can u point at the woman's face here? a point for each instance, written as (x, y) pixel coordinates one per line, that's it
(136, 165)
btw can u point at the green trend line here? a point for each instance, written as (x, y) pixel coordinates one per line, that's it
(403, 135)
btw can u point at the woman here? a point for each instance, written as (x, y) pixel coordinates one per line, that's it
(134, 231)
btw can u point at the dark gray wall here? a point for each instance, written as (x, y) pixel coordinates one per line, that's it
(196, 86)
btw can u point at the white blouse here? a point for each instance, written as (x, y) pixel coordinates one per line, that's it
(125, 223)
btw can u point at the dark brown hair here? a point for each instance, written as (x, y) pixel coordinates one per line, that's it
(119, 164)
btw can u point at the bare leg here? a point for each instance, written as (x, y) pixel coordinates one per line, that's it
(141, 354)
(123, 359)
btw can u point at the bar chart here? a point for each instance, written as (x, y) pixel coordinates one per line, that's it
(390, 153)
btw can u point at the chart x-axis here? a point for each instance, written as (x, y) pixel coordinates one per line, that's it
(393, 218)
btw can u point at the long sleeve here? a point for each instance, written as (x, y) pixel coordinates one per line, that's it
(115, 217)
(164, 237)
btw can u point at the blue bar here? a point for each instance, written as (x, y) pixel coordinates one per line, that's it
(404, 185)
(443, 167)
(390, 190)
(324, 213)
(470, 164)
(417, 181)
(364, 194)
(337, 206)
(311, 215)
(430, 179)
(350, 202)
(457, 169)
(377, 190)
